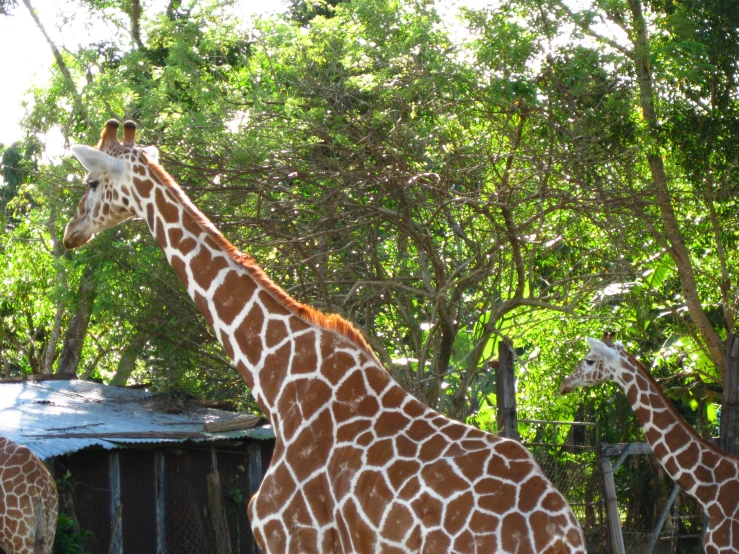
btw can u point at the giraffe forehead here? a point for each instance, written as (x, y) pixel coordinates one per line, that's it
(118, 150)
(127, 153)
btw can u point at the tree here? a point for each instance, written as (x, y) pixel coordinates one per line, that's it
(443, 194)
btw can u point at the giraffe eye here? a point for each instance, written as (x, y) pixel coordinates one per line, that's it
(589, 361)
(93, 184)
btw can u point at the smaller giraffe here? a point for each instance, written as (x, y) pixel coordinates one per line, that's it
(28, 501)
(702, 470)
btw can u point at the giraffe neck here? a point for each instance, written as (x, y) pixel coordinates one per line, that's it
(267, 334)
(688, 458)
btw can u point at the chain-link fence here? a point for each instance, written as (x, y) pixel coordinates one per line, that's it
(657, 517)
(569, 453)
(161, 500)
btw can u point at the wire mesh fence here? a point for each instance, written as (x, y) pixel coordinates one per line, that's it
(647, 495)
(569, 454)
(188, 529)
(159, 502)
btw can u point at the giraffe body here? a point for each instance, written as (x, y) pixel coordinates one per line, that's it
(702, 470)
(28, 501)
(359, 465)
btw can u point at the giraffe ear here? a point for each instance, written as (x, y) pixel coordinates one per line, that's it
(601, 349)
(152, 153)
(92, 159)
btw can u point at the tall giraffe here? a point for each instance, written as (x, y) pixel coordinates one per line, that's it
(702, 470)
(28, 501)
(359, 465)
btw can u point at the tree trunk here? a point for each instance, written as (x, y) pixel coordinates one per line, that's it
(4, 362)
(74, 339)
(61, 64)
(136, 23)
(127, 363)
(730, 404)
(56, 332)
(677, 249)
(505, 392)
(57, 251)
(440, 361)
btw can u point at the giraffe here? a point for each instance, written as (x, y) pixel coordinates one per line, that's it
(28, 501)
(359, 465)
(702, 470)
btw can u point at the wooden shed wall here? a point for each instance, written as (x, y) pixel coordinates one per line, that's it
(158, 509)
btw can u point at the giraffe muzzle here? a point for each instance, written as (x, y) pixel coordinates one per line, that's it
(74, 239)
(568, 386)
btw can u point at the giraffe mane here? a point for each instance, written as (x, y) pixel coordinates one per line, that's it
(642, 369)
(329, 322)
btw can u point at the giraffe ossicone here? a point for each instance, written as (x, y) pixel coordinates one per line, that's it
(28, 501)
(359, 465)
(702, 470)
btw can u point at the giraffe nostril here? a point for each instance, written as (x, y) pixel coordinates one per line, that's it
(68, 242)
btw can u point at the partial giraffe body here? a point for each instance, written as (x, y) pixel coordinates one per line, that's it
(702, 470)
(28, 502)
(359, 465)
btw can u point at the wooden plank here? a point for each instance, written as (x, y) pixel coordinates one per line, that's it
(161, 514)
(116, 508)
(617, 449)
(244, 422)
(559, 422)
(124, 435)
(505, 391)
(256, 474)
(218, 513)
(614, 520)
(622, 457)
(38, 377)
(663, 518)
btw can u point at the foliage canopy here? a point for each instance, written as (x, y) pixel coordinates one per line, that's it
(447, 185)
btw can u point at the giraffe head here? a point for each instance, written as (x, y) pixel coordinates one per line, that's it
(111, 166)
(600, 365)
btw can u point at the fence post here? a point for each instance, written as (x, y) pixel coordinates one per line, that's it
(505, 392)
(254, 448)
(730, 404)
(116, 508)
(218, 513)
(161, 511)
(614, 520)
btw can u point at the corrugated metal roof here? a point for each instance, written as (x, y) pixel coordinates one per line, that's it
(59, 417)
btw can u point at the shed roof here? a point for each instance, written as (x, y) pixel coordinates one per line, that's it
(58, 417)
